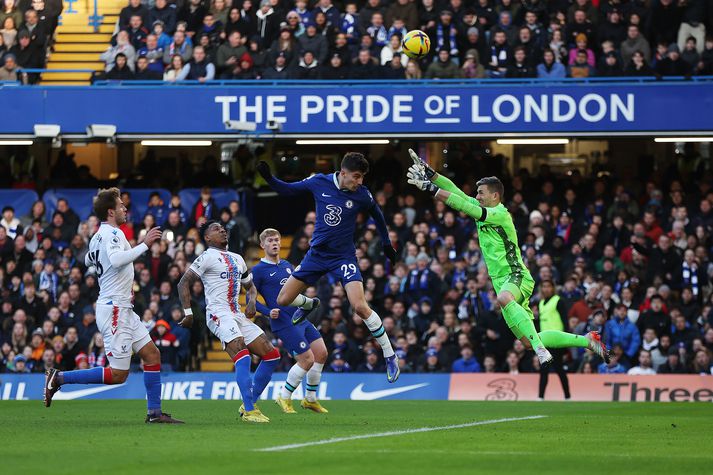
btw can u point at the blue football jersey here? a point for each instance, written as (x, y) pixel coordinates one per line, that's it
(269, 278)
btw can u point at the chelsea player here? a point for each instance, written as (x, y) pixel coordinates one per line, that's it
(339, 198)
(302, 340)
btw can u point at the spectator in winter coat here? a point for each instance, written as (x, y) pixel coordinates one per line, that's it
(231, 51)
(672, 64)
(134, 8)
(268, 24)
(121, 70)
(199, 69)
(153, 54)
(549, 68)
(364, 67)
(619, 330)
(655, 318)
(165, 13)
(308, 67)
(123, 46)
(405, 10)
(635, 41)
(581, 68)
(472, 69)
(280, 69)
(500, 55)
(467, 362)
(520, 67)
(314, 42)
(444, 67)
(638, 66)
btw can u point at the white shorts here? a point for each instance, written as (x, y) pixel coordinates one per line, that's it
(123, 334)
(228, 326)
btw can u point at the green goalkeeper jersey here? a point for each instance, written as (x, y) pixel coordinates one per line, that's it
(496, 231)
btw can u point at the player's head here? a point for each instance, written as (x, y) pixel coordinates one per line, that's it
(270, 242)
(214, 234)
(490, 191)
(109, 207)
(353, 169)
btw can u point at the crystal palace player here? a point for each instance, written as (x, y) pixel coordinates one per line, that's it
(498, 240)
(302, 340)
(339, 198)
(222, 272)
(112, 256)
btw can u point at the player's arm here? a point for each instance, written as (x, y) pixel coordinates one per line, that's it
(282, 187)
(184, 294)
(440, 181)
(119, 257)
(389, 251)
(250, 294)
(466, 204)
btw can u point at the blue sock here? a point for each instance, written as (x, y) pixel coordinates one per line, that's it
(152, 381)
(242, 376)
(83, 376)
(264, 371)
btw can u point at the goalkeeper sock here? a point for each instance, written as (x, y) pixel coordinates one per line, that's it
(312, 386)
(373, 323)
(264, 371)
(152, 381)
(242, 377)
(557, 339)
(84, 376)
(516, 316)
(294, 378)
(303, 302)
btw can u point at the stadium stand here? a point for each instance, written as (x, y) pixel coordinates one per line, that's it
(629, 258)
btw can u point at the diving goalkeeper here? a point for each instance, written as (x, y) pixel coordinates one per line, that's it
(498, 241)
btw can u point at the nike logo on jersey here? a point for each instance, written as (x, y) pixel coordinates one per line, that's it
(273, 273)
(326, 195)
(358, 393)
(63, 395)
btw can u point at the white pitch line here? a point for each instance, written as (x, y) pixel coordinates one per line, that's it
(279, 448)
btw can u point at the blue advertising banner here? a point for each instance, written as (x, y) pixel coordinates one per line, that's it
(350, 108)
(195, 386)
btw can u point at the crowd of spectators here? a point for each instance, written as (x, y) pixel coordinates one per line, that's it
(203, 40)
(26, 31)
(630, 259)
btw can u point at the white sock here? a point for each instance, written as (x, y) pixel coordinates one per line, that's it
(303, 302)
(373, 323)
(294, 378)
(313, 377)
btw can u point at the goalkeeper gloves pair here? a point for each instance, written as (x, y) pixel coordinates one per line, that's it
(420, 174)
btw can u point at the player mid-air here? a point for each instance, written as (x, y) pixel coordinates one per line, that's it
(222, 273)
(302, 339)
(498, 241)
(112, 257)
(339, 198)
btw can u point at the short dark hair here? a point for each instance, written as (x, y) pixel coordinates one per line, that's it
(355, 162)
(104, 201)
(203, 229)
(494, 185)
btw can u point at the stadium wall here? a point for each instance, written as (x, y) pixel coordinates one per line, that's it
(365, 387)
(592, 108)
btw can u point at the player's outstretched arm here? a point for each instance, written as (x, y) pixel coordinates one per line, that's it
(184, 294)
(119, 257)
(465, 204)
(282, 187)
(421, 167)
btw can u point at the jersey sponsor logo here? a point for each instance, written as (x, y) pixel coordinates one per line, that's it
(233, 275)
(334, 217)
(349, 204)
(230, 274)
(358, 393)
(115, 240)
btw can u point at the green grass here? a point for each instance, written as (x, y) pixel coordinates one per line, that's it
(109, 437)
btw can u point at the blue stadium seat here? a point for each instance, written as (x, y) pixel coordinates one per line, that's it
(222, 197)
(80, 200)
(20, 200)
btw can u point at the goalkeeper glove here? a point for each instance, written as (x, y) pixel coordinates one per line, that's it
(424, 167)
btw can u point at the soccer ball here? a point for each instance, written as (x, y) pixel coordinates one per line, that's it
(416, 44)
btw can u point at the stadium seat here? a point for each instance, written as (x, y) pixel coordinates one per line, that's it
(20, 200)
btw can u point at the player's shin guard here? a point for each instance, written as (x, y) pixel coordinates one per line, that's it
(152, 381)
(314, 375)
(242, 377)
(294, 378)
(302, 302)
(517, 317)
(373, 323)
(86, 376)
(557, 339)
(264, 371)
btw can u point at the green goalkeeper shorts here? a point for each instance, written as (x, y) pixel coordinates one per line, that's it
(520, 284)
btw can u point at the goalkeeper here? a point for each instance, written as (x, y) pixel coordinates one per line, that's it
(498, 240)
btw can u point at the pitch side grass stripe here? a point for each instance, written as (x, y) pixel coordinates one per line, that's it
(334, 440)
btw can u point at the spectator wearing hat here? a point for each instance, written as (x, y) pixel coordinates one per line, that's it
(280, 70)
(581, 44)
(20, 364)
(371, 364)
(335, 69)
(87, 328)
(672, 64)
(163, 40)
(230, 52)
(314, 42)
(549, 68)
(445, 34)
(609, 65)
(472, 69)
(121, 70)
(338, 364)
(431, 362)
(166, 342)
(81, 361)
(8, 72)
(165, 13)
(443, 67)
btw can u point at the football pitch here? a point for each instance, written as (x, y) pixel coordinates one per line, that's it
(377, 437)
